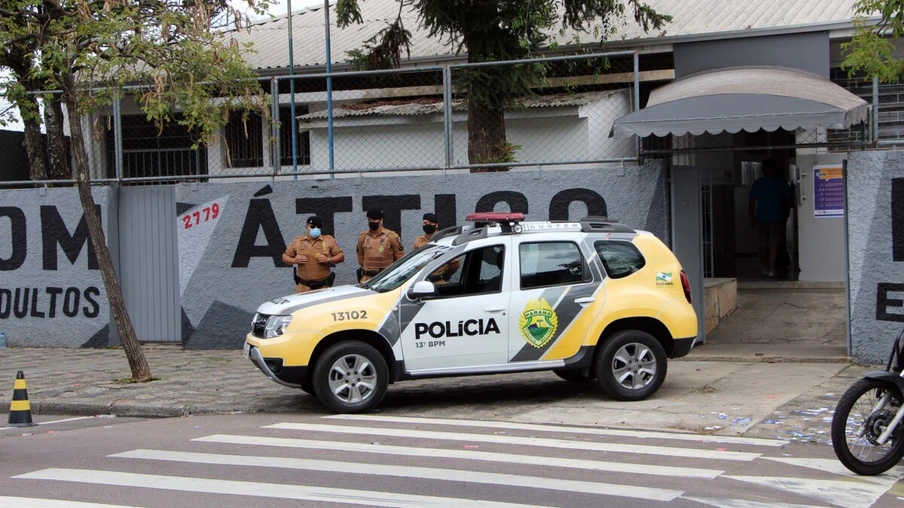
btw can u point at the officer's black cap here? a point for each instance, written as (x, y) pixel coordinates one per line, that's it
(374, 214)
(315, 221)
(431, 217)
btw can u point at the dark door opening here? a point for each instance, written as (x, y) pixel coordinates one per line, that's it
(732, 246)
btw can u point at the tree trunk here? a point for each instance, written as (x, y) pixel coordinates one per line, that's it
(141, 373)
(34, 145)
(28, 110)
(486, 136)
(57, 154)
(486, 111)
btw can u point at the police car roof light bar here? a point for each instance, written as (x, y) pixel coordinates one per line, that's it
(505, 219)
(495, 217)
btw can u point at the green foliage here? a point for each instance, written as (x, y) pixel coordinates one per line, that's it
(493, 31)
(347, 12)
(505, 152)
(497, 30)
(174, 55)
(384, 50)
(871, 50)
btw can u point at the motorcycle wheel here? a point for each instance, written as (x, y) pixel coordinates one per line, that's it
(853, 415)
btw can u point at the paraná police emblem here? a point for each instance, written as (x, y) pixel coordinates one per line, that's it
(538, 322)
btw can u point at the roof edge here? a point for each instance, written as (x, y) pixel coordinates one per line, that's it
(826, 26)
(637, 43)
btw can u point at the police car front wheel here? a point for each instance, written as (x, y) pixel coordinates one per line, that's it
(351, 377)
(631, 365)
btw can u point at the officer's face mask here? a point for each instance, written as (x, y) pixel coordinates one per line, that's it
(315, 232)
(429, 229)
(373, 225)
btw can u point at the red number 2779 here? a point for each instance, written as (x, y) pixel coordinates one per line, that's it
(209, 213)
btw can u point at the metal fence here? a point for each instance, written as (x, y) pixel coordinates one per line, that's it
(455, 117)
(559, 112)
(858, 137)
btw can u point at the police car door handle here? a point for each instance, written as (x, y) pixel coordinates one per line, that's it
(494, 309)
(584, 301)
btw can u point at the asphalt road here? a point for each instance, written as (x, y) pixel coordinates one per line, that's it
(290, 460)
(51, 424)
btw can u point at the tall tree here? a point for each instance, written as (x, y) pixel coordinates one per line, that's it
(495, 30)
(46, 160)
(17, 58)
(91, 50)
(871, 50)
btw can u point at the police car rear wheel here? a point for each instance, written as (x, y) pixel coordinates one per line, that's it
(631, 365)
(577, 376)
(351, 377)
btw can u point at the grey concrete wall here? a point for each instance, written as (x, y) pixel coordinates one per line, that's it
(810, 53)
(51, 292)
(876, 235)
(232, 235)
(233, 263)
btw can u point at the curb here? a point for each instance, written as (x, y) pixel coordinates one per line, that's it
(764, 359)
(53, 407)
(76, 408)
(787, 284)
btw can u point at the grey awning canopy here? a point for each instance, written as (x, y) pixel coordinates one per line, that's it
(744, 98)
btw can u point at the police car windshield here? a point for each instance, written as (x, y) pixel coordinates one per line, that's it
(402, 270)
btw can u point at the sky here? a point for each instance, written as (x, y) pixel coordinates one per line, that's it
(277, 8)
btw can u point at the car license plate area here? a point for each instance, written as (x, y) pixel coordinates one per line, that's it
(246, 351)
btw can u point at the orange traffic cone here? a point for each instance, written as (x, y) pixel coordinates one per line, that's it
(20, 409)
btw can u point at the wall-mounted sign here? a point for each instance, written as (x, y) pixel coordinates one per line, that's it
(828, 191)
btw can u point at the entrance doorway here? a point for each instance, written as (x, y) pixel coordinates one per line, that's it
(804, 302)
(731, 244)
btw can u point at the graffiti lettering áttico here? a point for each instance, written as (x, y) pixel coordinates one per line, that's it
(261, 217)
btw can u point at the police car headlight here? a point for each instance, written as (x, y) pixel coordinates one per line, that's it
(276, 326)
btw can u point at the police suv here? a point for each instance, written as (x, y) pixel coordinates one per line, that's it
(592, 301)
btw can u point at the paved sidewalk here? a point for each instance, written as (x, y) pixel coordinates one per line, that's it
(724, 394)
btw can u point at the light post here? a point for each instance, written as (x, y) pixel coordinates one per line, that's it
(329, 87)
(291, 97)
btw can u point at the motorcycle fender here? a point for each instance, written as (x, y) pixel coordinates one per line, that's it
(890, 377)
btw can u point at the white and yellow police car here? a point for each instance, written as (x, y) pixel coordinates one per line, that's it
(589, 300)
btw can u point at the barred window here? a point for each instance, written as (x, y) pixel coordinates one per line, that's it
(149, 151)
(303, 139)
(245, 140)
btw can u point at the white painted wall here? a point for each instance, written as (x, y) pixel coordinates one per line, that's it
(821, 241)
(544, 134)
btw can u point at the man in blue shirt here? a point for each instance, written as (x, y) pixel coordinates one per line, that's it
(770, 202)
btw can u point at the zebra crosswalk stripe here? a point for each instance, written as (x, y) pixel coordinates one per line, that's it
(258, 489)
(592, 465)
(28, 502)
(849, 493)
(642, 434)
(834, 466)
(743, 503)
(521, 441)
(599, 488)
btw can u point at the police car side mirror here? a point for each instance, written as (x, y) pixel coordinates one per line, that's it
(422, 289)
